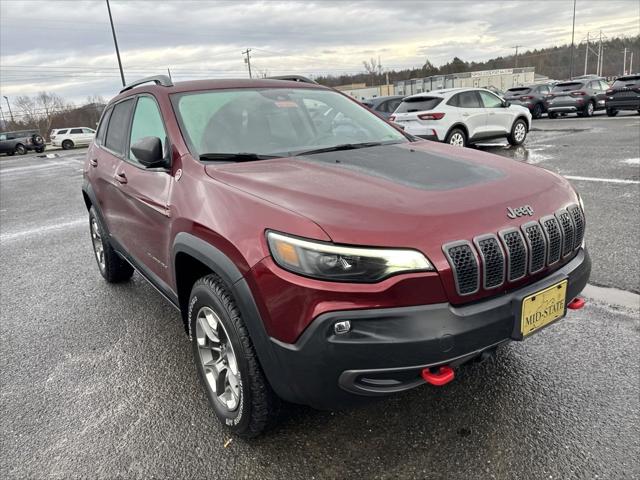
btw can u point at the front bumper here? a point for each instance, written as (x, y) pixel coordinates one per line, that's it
(387, 348)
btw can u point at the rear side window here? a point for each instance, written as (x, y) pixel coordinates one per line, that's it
(418, 104)
(543, 89)
(76, 131)
(118, 126)
(61, 132)
(567, 87)
(147, 122)
(627, 82)
(466, 100)
(102, 128)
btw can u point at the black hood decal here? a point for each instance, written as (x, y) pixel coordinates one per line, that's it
(412, 168)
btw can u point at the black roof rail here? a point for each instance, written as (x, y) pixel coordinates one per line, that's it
(293, 78)
(163, 80)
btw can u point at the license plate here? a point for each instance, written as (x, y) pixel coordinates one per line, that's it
(543, 307)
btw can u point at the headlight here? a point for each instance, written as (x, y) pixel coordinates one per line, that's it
(341, 263)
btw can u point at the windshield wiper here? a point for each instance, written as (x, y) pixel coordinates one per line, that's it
(235, 157)
(342, 146)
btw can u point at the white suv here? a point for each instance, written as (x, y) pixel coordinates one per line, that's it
(71, 137)
(460, 116)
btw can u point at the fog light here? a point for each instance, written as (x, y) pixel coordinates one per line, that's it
(342, 327)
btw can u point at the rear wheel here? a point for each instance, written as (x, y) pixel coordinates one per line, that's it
(20, 149)
(611, 112)
(67, 145)
(40, 149)
(553, 115)
(537, 111)
(112, 267)
(588, 109)
(457, 138)
(236, 386)
(518, 132)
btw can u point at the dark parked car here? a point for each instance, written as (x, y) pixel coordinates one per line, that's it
(624, 94)
(530, 96)
(21, 141)
(324, 263)
(582, 97)
(384, 106)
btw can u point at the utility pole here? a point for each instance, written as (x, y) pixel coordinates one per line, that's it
(586, 54)
(517, 47)
(115, 41)
(10, 112)
(248, 60)
(631, 63)
(624, 62)
(4, 122)
(573, 31)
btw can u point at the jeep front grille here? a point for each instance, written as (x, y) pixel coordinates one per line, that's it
(514, 253)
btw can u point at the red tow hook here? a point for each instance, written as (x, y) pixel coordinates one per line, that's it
(442, 376)
(577, 303)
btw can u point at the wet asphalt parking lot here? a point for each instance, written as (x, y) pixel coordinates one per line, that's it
(97, 380)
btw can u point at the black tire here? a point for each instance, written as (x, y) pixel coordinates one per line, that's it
(113, 268)
(37, 139)
(612, 112)
(537, 111)
(588, 110)
(12, 153)
(553, 115)
(67, 145)
(518, 133)
(39, 149)
(257, 406)
(456, 137)
(20, 149)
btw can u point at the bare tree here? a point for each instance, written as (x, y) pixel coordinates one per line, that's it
(29, 109)
(49, 104)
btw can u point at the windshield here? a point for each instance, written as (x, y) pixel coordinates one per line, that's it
(418, 104)
(626, 82)
(276, 121)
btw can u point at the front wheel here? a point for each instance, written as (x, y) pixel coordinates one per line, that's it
(457, 138)
(228, 366)
(20, 149)
(612, 112)
(518, 132)
(40, 150)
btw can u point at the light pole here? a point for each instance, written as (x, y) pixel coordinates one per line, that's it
(573, 31)
(10, 112)
(115, 41)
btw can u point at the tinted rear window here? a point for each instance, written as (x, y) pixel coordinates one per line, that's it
(418, 104)
(519, 90)
(627, 82)
(76, 131)
(567, 87)
(118, 126)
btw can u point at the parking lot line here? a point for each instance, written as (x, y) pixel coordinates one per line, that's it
(41, 166)
(7, 237)
(603, 180)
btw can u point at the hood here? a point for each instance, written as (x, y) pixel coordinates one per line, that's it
(417, 195)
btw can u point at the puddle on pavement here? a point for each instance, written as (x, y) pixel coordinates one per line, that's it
(527, 154)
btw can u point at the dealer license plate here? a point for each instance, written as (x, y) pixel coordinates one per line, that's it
(543, 307)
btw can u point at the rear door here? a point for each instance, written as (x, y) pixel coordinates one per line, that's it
(77, 137)
(87, 135)
(499, 118)
(144, 218)
(471, 112)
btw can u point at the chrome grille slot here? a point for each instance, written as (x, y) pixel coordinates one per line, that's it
(493, 260)
(464, 263)
(537, 246)
(553, 234)
(516, 254)
(578, 221)
(568, 231)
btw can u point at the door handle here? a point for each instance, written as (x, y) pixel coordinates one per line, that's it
(121, 178)
(93, 162)
(465, 114)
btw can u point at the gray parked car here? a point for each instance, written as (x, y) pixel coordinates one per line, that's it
(21, 141)
(384, 106)
(583, 97)
(529, 96)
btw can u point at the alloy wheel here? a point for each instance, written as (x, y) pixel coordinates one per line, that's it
(457, 140)
(218, 359)
(590, 109)
(519, 132)
(98, 247)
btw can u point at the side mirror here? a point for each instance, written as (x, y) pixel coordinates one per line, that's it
(506, 104)
(148, 151)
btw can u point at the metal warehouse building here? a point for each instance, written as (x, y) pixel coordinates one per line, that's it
(501, 79)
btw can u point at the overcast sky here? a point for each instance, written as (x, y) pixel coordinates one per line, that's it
(67, 47)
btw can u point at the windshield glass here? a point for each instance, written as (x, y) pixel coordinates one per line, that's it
(276, 121)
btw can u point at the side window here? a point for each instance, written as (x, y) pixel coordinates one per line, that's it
(393, 104)
(102, 128)
(3, 137)
(490, 100)
(384, 107)
(469, 100)
(454, 101)
(595, 85)
(544, 89)
(147, 122)
(118, 126)
(76, 131)
(604, 85)
(88, 130)
(61, 132)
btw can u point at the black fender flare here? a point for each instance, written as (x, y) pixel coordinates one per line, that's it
(220, 264)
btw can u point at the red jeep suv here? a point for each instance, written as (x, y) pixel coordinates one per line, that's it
(316, 253)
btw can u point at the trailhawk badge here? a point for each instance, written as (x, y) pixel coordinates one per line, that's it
(520, 211)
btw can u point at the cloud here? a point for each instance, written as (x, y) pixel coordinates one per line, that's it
(67, 47)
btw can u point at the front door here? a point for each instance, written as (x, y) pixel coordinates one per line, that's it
(499, 118)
